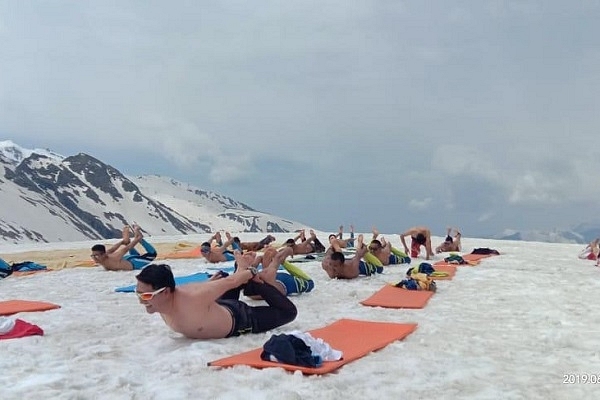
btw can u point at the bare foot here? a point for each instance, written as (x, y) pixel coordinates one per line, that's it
(268, 256)
(284, 253)
(302, 235)
(375, 232)
(243, 261)
(137, 232)
(126, 233)
(359, 240)
(257, 261)
(269, 271)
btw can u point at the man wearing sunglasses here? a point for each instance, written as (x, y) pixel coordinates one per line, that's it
(123, 256)
(385, 252)
(212, 310)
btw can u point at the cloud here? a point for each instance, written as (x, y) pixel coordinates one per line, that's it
(183, 143)
(534, 188)
(421, 204)
(473, 112)
(231, 169)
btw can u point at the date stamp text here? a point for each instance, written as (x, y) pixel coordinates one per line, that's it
(581, 379)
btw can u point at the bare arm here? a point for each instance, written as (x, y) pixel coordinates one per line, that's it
(428, 247)
(217, 238)
(226, 245)
(457, 240)
(213, 289)
(348, 241)
(335, 245)
(360, 252)
(124, 245)
(403, 240)
(385, 243)
(375, 233)
(115, 247)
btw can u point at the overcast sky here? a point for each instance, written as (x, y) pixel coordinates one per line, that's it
(481, 114)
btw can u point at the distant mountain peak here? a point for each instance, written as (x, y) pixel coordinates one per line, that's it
(48, 197)
(551, 236)
(15, 153)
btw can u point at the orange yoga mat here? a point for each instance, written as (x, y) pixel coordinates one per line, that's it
(25, 273)
(475, 257)
(10, 307)
(353, 337)
(392, 297)
(447, 268)
(442, 263)
(191, 253)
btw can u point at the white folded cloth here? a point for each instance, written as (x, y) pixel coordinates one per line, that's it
(318, 346)
(6, 325)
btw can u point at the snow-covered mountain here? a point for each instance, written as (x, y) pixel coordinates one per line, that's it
(46, 197)
(579, 234)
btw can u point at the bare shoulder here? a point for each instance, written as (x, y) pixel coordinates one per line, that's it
(192, 295)
(192, 289)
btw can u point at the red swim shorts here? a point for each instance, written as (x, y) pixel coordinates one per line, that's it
(415, 248)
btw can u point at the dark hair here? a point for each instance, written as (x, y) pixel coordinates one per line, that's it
(157, 275)
(99, 247)
(420, 238)
(205, 244)
(338, 256)
(377, 242)
(290, 241)
(331, 235)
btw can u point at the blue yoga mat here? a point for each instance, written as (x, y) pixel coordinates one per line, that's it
(226, 268)
(179, 280)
